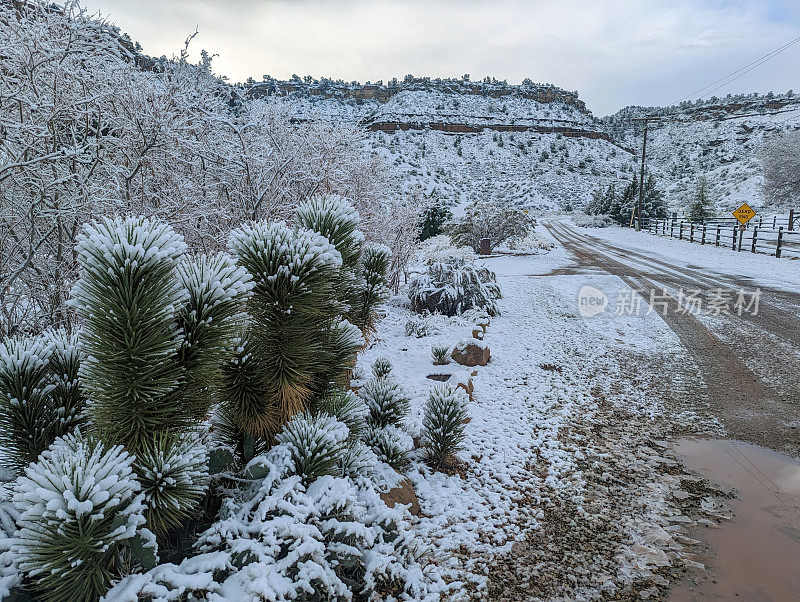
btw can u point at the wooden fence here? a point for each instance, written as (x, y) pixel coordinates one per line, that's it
(777, 235)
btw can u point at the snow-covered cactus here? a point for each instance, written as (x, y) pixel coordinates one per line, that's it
(79, 503)
(381, 367)
(390, 443)
(317, 444)
(300, 345)
(452, 287)
(387, 402)
(209, 320)
(173, 471)
(373, 287)
(28, 418)
(443, 424)
(128, 299)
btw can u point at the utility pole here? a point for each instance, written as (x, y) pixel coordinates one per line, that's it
(638, 208)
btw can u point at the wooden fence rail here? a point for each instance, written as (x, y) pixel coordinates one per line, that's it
(775, 235)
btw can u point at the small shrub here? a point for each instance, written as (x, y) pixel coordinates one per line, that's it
(440, 354)
(390, 443)
(79, 503)
(452, 287)
(386, 401)
(173, 471)
(443, 424)
(381, 367)
(316, 443)
(419, 327)
(346, 407)
(498, 223)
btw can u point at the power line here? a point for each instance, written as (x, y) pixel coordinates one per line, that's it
(727, 79)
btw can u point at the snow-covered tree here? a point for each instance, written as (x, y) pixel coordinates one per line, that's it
(489, 220)
(780, 157)
(443, 424)
(702, 205)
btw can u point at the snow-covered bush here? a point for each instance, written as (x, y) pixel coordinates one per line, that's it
(420, 326)
(373, 287)
(381, 367)
(316, 443)
(443, 424)
(173, 472)
(452, 287)
(390, 443)
(387, 402)
(440, 354)
(297, 345)
(283, 540)
(346, 407)
(499, 223)
(79, 504)
(65, 363)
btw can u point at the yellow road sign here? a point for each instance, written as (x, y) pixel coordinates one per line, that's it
(744, 214)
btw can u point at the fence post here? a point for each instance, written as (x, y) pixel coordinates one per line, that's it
(741, 236)
(760, 221)
(733, 244)
(672, 229)
(691, 233)
(680, 228)
(791, 219)
(774, 221)
(703, 241)
(780, 242)
(718, 232)
(755, 239)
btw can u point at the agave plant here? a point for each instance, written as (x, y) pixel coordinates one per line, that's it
(443, 424)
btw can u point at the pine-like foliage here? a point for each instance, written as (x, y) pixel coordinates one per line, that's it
(317, 444)
(28, 420)
(65, 364)
(78, 504)
(173, 471)
(210, 320)
(373, 290)
(390, 443)
(440, 354)
(347, 408)
(381, 367)
(299, 346)
(128, 299)
(337, 220)
(443, 424)
(387, 402)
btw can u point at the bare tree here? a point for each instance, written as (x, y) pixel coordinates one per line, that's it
(780, 157)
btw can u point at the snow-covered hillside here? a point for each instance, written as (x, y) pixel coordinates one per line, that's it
(718, 139)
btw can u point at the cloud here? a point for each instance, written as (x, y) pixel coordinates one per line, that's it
(614, 52)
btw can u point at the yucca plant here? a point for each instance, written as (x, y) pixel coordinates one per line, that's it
(373, 290)
(210, 321)
(28, 418)
(337, 220)
(440, 354)
(79, 504)
(381, 367)
(173, 471)
(317, 444)
(443, 424)
(346, 407)
(128, 299)
(299, 347)
(390, 443)
(65, 364)
(386, 401)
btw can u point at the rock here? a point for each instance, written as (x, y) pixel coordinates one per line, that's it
(477, 333)
(471, 352)
(402, 493)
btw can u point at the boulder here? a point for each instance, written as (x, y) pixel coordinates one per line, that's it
(471, 352)
(402, 493)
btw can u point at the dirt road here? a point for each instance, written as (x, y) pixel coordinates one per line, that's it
(750, 363)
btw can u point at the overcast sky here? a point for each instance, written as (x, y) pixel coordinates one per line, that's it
(614, 52)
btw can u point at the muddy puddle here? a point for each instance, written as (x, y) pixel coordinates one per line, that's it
(756, 555)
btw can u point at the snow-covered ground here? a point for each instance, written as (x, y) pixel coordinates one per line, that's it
(554, 382)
